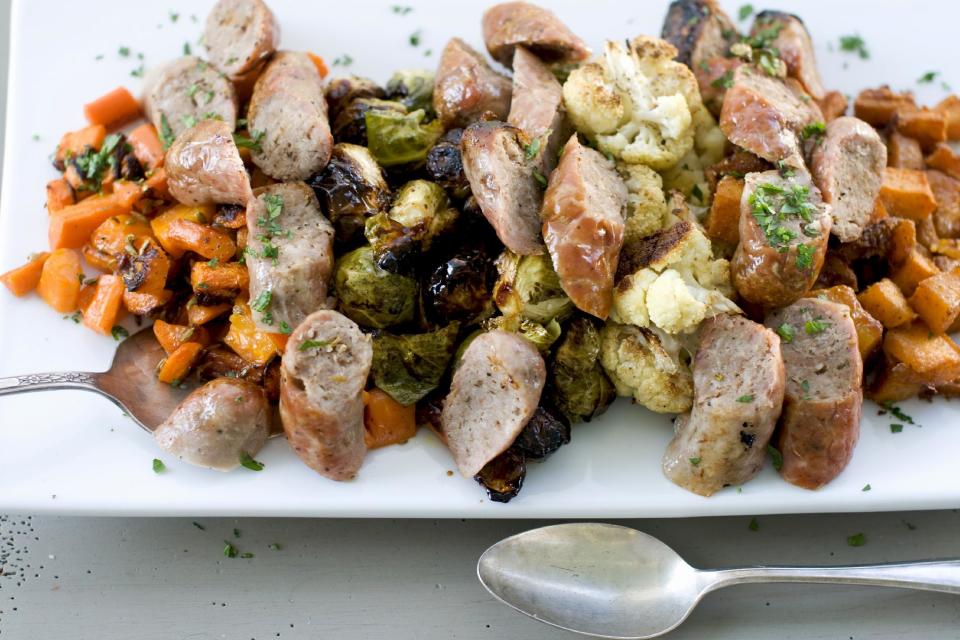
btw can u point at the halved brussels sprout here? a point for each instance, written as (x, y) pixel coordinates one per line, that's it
(460, 288)
(395, 138)
(578, 385)
(445, 165)
(412, 87)
(370, 296)
(542, 336)
(350, 125)
(547, 431)
(408, 367)
(529, 287)
(341, 91)
(503, 476)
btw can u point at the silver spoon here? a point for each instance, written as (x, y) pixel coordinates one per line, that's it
(614, 582)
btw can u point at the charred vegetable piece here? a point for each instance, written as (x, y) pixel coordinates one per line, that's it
(547, 431)
(396, 138)
(370, 296)
(408, 367)
(578, 385)
(529, 287)
(351, 188)
(542, 336)
(445, 165)
(460, 288)
(350, 125)
(341, 91)
(420, 213)
(413, 88)
(503, 476)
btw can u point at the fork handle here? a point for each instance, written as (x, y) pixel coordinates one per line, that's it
(46, 381)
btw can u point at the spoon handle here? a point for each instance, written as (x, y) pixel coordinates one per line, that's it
(45, 381)
(933, 575)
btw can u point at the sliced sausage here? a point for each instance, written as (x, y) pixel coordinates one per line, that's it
(536, 108)
(322, 375)
(509, 24)
(583, 223)
(217, 424)
(699, 29)
(289, 112)
(466, 87)
(289, 255)
(187, 91)
(204, 166)
(240, 34)
(795, 47)
(765, 115)
(847, 166)
(781, 250)
(503, 182)
(738, 383)
(822, 405)
(493, 394)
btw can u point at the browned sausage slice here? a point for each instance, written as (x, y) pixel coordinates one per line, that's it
(240, 34)
(820, 423)
(784, 229)
(466, 87)
(583, 222)
(536, 108)
(494, 393)
(204, 166)
(847, 165)
(765, 115)
(509, 24)
(217, 424)
(187, 91)
(322, 376)
(289, 255)
(738, 382)
(503, 182)
(795, 47)
(289, 113)
(699, 29)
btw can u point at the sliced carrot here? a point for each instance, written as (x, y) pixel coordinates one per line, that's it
(113, 109)
(226, 279)
(98, 260)
(146, 145)
(318, 62)
(59, 195)
(386, 421)
(171, 336)
(161, 224)
(103, 309)
(157, 184)
(200, 314)
(177, 365)
(72, 226)
(76, 142)
(142, 304)
(116, 236)
(25, 278)
(201, 239)
(280, 339)
(59, 283)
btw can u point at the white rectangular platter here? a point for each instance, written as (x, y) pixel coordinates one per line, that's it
(70, 452)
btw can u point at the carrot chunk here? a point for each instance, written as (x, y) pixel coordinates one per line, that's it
(171, 336)
(76, 142)
(59, 195)
(59, 283)
(113, 109)
(319, 63)
(101, 312)
(177, 365)
(25, 278)
(146, 145)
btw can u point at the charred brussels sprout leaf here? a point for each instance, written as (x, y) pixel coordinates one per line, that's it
(547, 431)
(341, 91)
(408, 367)
(529, 287)
(350, 125)
(396, 138)
(370, 296)
(542, 336)
(503, 476)
(445, 164)
(579, 387)
(413, 88)
(459, 288)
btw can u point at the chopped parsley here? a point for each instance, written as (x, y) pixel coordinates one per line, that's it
(138, 72)
(754, 525)
(158, 466)
(189, 121)
(854, 44)
(98, 57)
(805, 387)
(415, 38)
(928, 77)
(723, 82)
(166, 133)
(186, 49)
(539, 178)
(343, 61)
(119, 333)
(213, 263)
(815, 326)
(246, 555)
(91, 164)
(759, 49)
(124, 52)
(695, 462)
(174, 16)
(697, 193)
(866, 487)
(531, 150)
(262, 302)
(76, 316)
(192, 89)
(805, 254)
(313, 344)
(248, 462)
(745, 12)
(745, 399)
(35, 137)
(786, 332)
(199, 526)
(236, 533)
(771, 205)
(275, 546)
(400, 10)
(775, 456)
(814, 129)
(285, 328)
(857, 540)
(249, 143)
(896, 428)
(229, 550)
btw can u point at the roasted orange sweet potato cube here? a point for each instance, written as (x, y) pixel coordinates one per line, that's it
(912, 271)
(869, 329)
(200, 314)
(950, 108)
(161, 224)
(386, 421)
(944, 159)
(203, 240)
(935, 357)
(946, 191)
(903, 240)
(884, 301)
(246, 340)
(723, 220)
(927, 234)
(906, 193)
(121, 234)
(145, 270)
(895, 382)
(176, 366)
(937, 300)
(926, 126)
(879, 106)
(903, 152)
(171, 336)
(213, 278)
(142, 304)
(59, 283)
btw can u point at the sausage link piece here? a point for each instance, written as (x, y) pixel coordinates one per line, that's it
(509, 24)
(537, 108)
(466, 87)
(494, 393)
(240, 35)
(288, 110)
(738, 385)
(187, 91)
(795, 47)
(217, 424)
(204, 166)
(291, 255)
(822, 405)
(322, 376)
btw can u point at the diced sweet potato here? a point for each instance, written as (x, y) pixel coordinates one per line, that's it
(906, 193)
(903, 152)
(894, 383)
(176, 366)
(200, 314)
(60, 280)
(950, 108)
(937, 300)
(879, 106)
(935, 357)
(143, 304)
(879, 211)
(386, 421)
(203, 240)
(944, 159)
(869, 329)
(171, 336)
(927, 234)
(926, 126)
(912, 271)
(723, 221)
(227, 279)
(59, 195)
(244, 338)
(903, 240)
(118, 235)
(161, 224)
(946, 247)
(946, 191)
(884, 301)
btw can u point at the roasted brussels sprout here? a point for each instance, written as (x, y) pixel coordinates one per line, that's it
(460, 288)
(542, 336)
(503, 476)
(547, 431)
(395, 138)
(350, 125)
(370, 296)
(408, 367)
(578, 385)
(341, 91)
(351, 188)
(445, 165)
(529, 287)
(413, 88)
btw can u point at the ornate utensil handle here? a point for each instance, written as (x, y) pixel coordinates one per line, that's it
(46, 381)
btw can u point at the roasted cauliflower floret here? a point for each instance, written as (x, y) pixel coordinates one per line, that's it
(652, 368)
(672, 281)
(636, 103)
(687, 176)
(646, 203)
